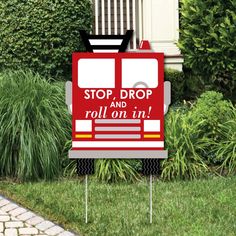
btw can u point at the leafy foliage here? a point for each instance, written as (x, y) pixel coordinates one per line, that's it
(225, 148)
(208, 39)
(115, 170)
(177, 80)
(199, 137)
(214, 110)
(34, 125)
(183, 140)
(195, 85)
(41, 35)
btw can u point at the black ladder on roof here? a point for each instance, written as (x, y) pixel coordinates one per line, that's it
(115, 43)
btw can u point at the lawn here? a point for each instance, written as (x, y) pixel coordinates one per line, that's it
(200, 207)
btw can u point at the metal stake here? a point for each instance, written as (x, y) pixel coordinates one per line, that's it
(86, 199)
(150, 199)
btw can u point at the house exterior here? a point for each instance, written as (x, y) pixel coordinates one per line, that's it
(153, 20)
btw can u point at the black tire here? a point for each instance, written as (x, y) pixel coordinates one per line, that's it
(150, 166)
(85, 167)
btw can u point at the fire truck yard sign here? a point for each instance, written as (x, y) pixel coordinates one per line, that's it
(118, 104)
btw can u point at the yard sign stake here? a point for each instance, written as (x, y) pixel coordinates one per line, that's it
(86, 199)
(150, 199)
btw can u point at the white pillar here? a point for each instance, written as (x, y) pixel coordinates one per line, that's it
(161, 28)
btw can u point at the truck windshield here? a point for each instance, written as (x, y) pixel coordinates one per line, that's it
(139, 73)
(96, 73)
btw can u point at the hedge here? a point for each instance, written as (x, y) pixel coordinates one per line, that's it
(41, 35)
(208, 38)
(177, 80)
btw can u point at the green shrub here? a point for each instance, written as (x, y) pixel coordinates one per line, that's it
(208, 38)
(212, 108)
(184, 143)
(225, 147)
(199, 136)
(41, 35)
(34, 125)
(69, 165)
(177, 80)
(195, 85)
(115, 170)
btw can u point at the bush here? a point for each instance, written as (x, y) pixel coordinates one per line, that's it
(34, 125)
(225, 149)
(195, 85)
(115, 170)
(200, 137)
(183, 140)
(214, 110)
(41, 35)
(177, 80)
(208, 38)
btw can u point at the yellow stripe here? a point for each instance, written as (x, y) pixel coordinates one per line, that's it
(152, 135)
(83, 135)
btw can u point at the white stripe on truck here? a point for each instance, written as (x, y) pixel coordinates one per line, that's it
(117, 121)
(116, 144)
(105, 50)
(105, 42)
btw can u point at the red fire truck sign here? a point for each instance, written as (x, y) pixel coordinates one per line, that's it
(118, 104)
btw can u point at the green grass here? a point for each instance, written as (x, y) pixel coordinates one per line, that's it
(199, 207)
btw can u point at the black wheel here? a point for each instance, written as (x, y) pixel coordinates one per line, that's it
(85, 167)
(150, 166)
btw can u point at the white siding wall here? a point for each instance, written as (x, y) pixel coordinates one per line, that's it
(161, 28)
(117, 16)
(153, 20)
